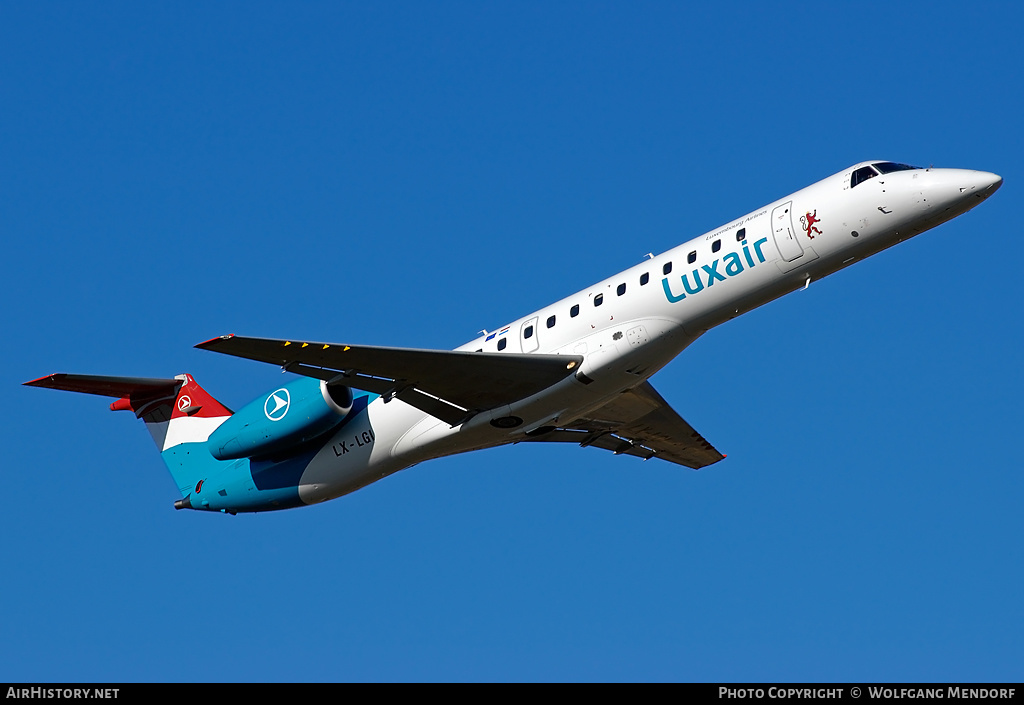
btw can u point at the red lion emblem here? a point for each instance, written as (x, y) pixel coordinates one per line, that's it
(808, 221)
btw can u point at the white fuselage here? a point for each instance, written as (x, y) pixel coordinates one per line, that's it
(630, 325)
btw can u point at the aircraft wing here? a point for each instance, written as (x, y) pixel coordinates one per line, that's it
(639, 422)
(450, 385)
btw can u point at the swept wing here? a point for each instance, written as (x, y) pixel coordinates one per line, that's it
(638, 422)
(450, 385)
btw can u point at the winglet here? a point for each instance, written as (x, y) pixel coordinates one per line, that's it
(212, 341)
(44, 381)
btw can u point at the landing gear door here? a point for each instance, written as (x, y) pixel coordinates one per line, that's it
(785, 235)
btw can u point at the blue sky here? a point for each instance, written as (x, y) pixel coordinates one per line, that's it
(410, 173)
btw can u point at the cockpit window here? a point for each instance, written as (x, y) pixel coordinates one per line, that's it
(889, 167)
(862, 175)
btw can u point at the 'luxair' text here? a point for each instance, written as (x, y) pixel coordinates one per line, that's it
(733, 265)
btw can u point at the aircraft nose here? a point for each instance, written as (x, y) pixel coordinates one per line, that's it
(980, 183)
(956, 191)
(994, 181)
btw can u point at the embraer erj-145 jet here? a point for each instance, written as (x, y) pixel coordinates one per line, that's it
(572, 372)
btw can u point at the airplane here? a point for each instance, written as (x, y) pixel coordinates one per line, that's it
(573, 372)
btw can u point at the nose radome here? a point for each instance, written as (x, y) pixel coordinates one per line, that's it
(981, 183)
(994, 181)
(958, 190)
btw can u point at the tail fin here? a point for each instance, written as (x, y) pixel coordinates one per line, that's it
(175, 411)
(183, 414)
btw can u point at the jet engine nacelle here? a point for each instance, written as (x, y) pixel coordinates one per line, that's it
(290, 416)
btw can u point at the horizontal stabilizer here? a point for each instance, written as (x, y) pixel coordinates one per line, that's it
(450, 385)
(105, 386)
(175, 410)
(638, 422)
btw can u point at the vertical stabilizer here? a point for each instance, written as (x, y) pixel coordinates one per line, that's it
(179, 414)
(186, 414)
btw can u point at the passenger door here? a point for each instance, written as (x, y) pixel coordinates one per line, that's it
(528, 335)
(785, 235)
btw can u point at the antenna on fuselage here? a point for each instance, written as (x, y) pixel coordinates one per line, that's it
(650, 255)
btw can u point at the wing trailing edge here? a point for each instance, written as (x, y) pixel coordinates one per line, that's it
(638, 422)
(450, 385)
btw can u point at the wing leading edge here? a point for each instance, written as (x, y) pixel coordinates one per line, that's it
(450, 385)
(639, 422)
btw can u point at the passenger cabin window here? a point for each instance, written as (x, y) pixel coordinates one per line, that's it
(551, 322)
(574, 311)
(599, 299)
(716, 245)
(528, 332)
(667, 269)
(889, 167)
(621, 290)
(862, 175)
(644, 278)
(692, 257)
(502, 343)
(741, 235)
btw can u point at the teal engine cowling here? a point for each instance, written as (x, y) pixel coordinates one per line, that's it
(287, 417)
